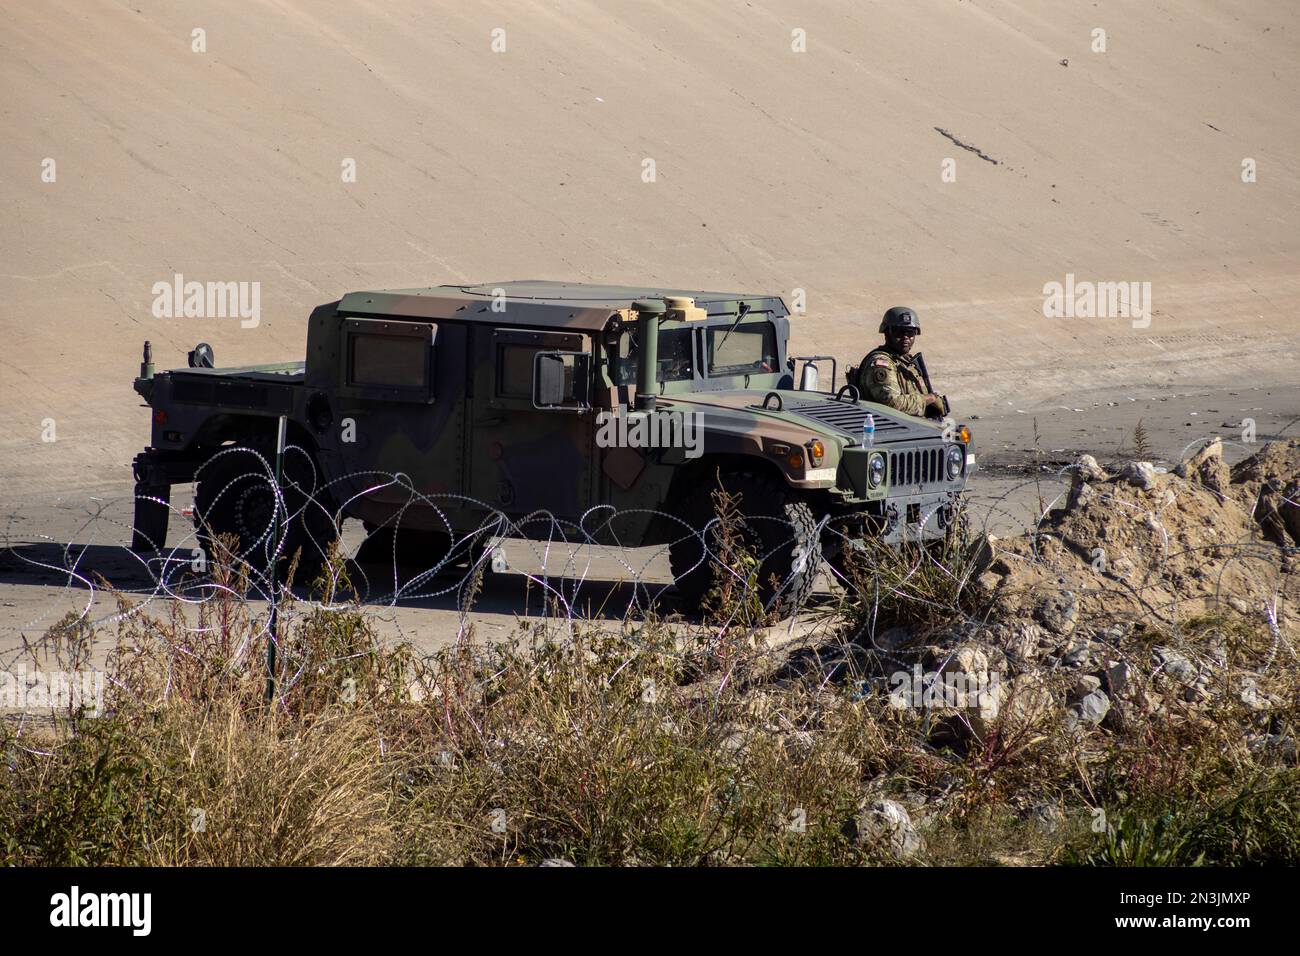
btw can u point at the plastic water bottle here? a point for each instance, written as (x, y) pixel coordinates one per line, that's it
(868, 429)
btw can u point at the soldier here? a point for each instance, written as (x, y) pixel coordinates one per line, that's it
(888, 374)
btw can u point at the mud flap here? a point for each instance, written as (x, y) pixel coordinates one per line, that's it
(150, 526)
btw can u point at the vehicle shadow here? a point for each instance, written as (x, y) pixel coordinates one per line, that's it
(506, 594)
(46, 564)
(510, 592)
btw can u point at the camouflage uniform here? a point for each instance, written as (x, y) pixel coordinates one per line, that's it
(892, 380)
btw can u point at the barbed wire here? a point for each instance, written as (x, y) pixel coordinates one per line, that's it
(179, 575)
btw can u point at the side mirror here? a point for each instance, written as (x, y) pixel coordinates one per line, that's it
(201, 356)
(561, 380)
(808, 378)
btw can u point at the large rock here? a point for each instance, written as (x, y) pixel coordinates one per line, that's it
(965, 659)
(1175, 665)
(735, 739)
(1081, 494)
(1058, 612)
(1079, 655)
(1087, 469)
(1277, 509)
(973, 682)
(983, 551)
(1020, 640)
(886, 823)
(1139, 473)
(1028, 704)
(1084, 685)
(1089, 712)
(1082, 473)
(1268, 483)
(1118, 676)
(1249, 694)
(1206, 467)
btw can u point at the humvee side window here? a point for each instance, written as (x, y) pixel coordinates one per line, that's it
(515, 371)
(389, 361)
(746, 350)
(676, 357)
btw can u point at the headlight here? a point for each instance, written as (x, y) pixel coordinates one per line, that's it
(876, 470)
(956, 457)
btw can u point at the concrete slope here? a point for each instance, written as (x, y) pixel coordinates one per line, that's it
(775, 170)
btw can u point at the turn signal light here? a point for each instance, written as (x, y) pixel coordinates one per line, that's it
(817, 450)
(795, 459)
(964, 435)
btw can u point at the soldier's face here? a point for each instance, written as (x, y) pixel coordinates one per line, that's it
(900, 340)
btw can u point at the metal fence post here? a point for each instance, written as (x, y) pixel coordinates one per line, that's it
(275, 563)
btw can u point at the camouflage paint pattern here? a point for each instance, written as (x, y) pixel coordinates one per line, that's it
(469, 437)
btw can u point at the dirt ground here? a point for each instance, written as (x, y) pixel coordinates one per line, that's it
(132, 156)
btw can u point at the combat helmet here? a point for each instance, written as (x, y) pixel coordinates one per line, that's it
(900, 317)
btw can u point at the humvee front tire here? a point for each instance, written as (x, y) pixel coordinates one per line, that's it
(234, 496)
(776, 527)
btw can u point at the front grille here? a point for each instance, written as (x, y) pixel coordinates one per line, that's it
(846, 417)
(916, 466)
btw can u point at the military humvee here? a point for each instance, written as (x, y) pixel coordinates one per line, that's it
(545, 410)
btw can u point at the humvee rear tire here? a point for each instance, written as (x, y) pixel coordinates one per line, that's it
(777, 522)
(234, 496)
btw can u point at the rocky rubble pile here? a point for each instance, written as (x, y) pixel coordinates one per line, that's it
(1148, 596)
(1146, 588)
(1150, 606)
(1136, 546)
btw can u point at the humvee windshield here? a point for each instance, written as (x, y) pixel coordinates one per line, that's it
(676, 357)
(745, 350)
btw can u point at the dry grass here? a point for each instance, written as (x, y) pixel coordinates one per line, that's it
(645, 744)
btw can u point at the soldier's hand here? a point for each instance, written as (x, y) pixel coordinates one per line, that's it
(934, 400)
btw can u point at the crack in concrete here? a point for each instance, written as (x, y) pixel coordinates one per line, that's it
(978, 152)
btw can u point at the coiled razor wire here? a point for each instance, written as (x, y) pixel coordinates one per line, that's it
(469, 555)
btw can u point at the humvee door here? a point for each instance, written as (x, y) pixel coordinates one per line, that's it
(525, 459)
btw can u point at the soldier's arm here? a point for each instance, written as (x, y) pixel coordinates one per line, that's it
(881, 381)
(912, 404)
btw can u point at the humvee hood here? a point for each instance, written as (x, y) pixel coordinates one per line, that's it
(731, 412)
(801, 414)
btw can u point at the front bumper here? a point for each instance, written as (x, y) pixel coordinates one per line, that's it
(918, 517)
